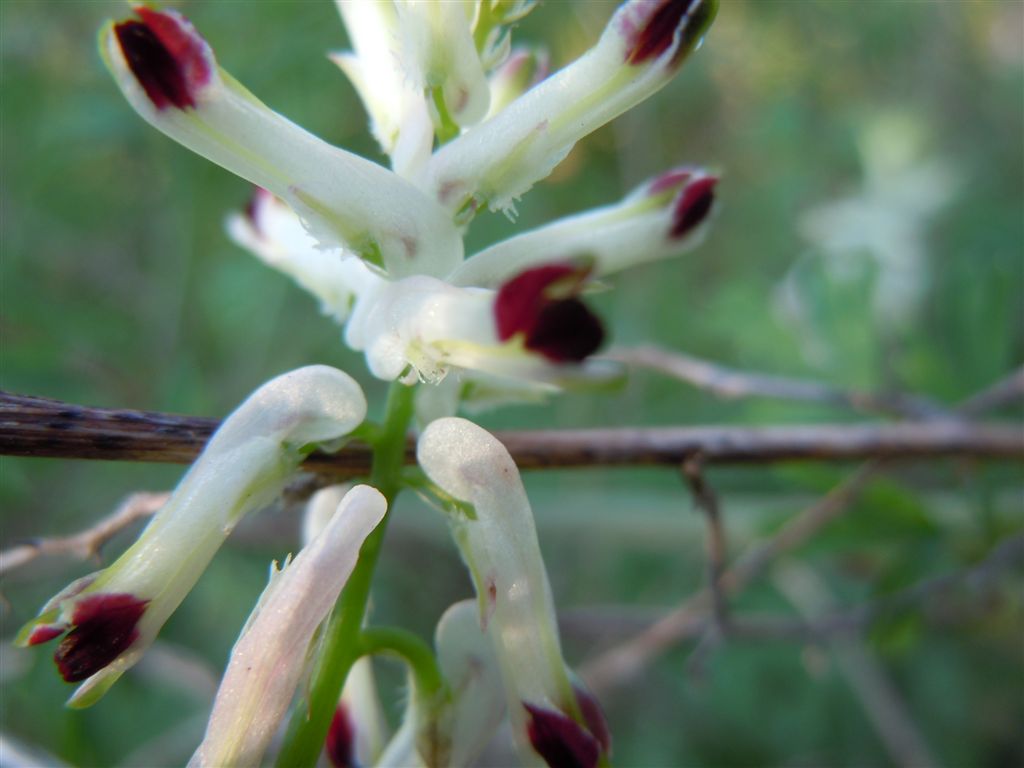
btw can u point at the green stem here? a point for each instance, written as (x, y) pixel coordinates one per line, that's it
(308, 727)
(416, 653)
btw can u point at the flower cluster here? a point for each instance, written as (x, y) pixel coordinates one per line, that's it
(468, 123)
(382, 249)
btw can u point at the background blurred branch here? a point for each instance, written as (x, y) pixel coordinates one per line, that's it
(623, 662)
(34, 426)
(85, 544)
(881, 701)
(731, 384)
(1004, 392)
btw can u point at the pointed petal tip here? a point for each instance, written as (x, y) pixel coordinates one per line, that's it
(560, 740)
(692, 206)
(44, 633)
(653, 28)
(167, 57)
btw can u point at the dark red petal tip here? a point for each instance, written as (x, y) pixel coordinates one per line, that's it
(168, 58)
(654, 32)
(560, 740)
(541, 304)
(594, 717)
(104, 627)
(45, 633)
(693, 206)
(341, 739)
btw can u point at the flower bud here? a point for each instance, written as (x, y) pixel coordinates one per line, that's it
(438, 51)
(662, 217)
(269, 656)
(398, 112)
(515, 606)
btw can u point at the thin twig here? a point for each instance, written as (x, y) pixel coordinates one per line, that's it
(731, 384)
(86, 544)
(706, 500)
(622, 662)
(619, 620)
(32, 426)
(1004, 392)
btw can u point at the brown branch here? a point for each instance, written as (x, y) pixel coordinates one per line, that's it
(731, 384)
(33, 426)
(86, 544)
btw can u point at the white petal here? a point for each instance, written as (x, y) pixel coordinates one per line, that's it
(273, 233)
(467, 659)
(343, 199)
(497, 161)
(365, 711)
(264, 670)
(397, 108)
(401, 323)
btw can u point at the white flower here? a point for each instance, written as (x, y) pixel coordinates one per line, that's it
(112, 616)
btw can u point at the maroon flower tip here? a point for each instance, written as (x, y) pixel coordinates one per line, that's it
(541, 304)
(560, 740)
(44, 633)
(104, 627)
(594, 717)
(166, 55)
(566, 331)
(656, 26)
(341, 739)
(693, 206)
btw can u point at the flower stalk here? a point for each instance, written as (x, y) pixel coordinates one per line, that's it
(308, 728)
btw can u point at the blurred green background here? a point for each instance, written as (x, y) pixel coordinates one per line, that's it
(870, 234)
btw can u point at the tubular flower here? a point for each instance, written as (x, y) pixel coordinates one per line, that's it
(382, 249)
(108, 619)
(265, 665)
(551, 717)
